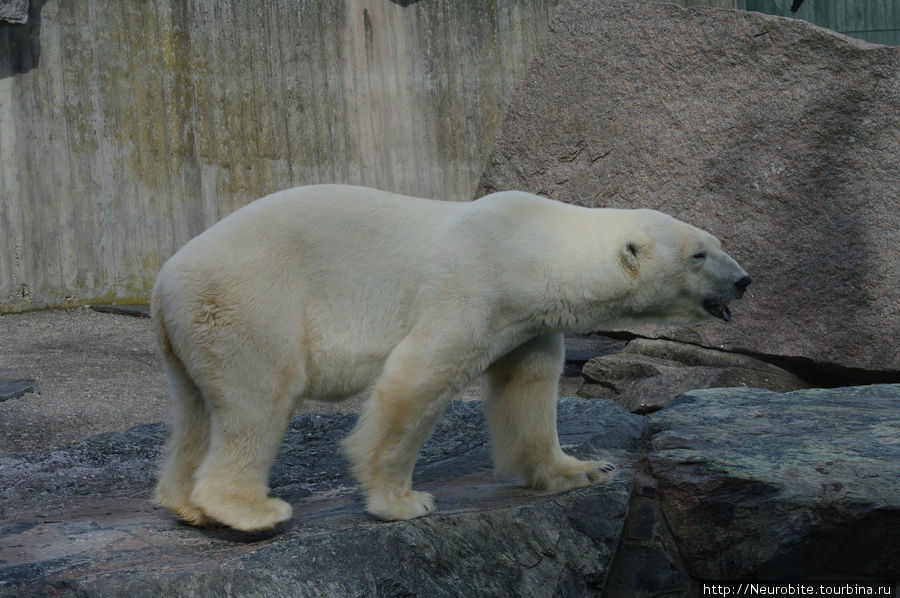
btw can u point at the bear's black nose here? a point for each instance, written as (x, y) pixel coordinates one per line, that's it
(743, 283)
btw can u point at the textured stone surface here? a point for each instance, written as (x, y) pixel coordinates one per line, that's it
(76, 521)
(648, 373)
(763, 485)
(775, 135)
(647, 563)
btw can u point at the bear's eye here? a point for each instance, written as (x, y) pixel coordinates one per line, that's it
(700, 255)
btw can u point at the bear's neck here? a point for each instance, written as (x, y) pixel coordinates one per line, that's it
(588, 288)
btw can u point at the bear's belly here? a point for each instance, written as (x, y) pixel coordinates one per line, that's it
(336, 375)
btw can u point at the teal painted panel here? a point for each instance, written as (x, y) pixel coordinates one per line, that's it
(876, 21)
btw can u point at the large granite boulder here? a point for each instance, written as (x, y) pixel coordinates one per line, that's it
(77, 521)
(800, 485)
(777, 136)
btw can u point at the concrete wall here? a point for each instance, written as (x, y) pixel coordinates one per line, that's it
(127, 127)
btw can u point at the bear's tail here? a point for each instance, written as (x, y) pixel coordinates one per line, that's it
(163, 341)
(179, 378)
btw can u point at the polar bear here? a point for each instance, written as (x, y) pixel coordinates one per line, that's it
(324, 291)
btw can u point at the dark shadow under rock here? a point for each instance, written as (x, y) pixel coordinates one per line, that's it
(800, 485)
(77, 521)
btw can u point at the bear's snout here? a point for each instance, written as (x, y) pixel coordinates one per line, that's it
(742, 284)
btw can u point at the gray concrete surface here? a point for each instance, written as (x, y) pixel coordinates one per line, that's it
(94, 372)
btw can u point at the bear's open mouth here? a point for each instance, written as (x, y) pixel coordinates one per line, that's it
(719, 310)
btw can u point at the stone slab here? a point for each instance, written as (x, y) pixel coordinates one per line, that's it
(137, 311)
(13, 12)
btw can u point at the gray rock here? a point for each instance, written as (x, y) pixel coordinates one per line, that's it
(137, 311)
(775, 135)
(13, 12)
(77, 520)
(648, 374)
(693, 355)
(581, 348)
(13, 389)
(800, 485)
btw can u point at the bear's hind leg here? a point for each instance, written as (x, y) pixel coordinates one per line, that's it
(186, 448)
(408, 399)
(521, 413)
(247, 426)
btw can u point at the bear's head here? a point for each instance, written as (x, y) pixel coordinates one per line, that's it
(679, 273)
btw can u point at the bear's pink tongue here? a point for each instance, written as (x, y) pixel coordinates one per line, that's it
(719, 310)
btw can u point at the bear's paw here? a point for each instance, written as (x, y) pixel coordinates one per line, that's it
(247, 515)
(400, 507)
(565, 473)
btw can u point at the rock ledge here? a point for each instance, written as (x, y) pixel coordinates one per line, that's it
(77, 521)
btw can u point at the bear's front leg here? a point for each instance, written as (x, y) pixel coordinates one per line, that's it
(521, 413)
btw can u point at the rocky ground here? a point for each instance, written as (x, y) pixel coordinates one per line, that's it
(720, 484)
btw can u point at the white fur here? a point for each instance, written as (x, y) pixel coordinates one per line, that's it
(323, 291)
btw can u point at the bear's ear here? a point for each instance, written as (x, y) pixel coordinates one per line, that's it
(628, 257)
